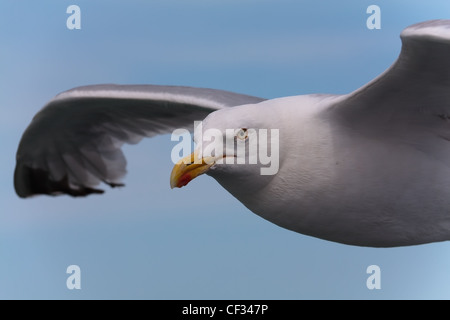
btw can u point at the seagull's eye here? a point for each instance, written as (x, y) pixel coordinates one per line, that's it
(242, 134)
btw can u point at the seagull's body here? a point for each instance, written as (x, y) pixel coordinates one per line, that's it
(371, 168)
(338, 183)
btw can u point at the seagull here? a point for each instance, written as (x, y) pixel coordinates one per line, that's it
(369, 168)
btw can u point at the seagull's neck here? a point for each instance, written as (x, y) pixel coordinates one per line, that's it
(305, 159)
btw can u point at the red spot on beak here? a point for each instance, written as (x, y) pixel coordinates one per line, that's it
(184, 180)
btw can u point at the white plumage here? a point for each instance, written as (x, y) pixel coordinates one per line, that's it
(370, 168)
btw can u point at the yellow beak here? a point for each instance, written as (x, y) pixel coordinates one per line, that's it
(188, 169)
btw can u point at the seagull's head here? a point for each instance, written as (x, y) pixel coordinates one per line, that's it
(239, 147)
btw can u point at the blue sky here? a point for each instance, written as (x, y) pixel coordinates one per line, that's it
(146, 241)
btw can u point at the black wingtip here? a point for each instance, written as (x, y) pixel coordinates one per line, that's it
(30, 181)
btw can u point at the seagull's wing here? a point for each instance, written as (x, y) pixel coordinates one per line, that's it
(74, 142)
(409, 102)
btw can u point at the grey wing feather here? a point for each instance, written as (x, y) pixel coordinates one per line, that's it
(409, 102)
(74, 142)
